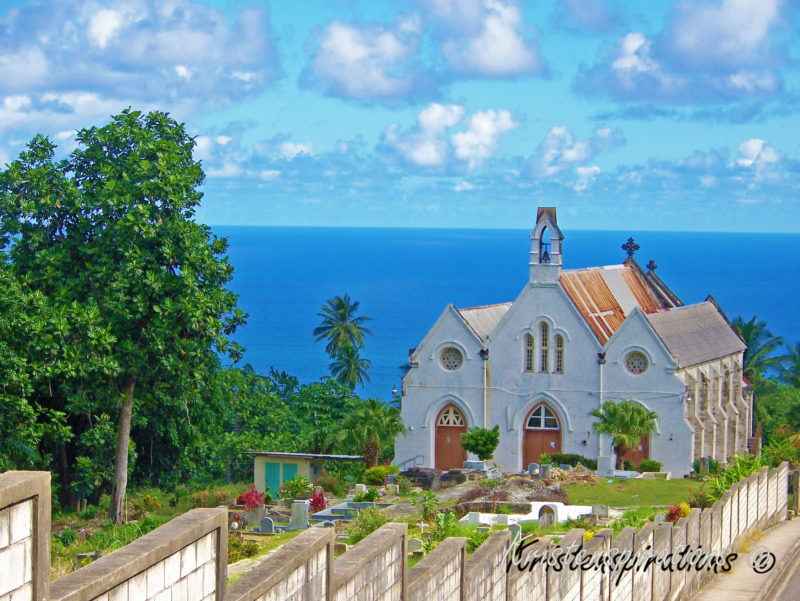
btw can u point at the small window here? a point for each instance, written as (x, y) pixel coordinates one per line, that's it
(636, 362)
(451, 358)
(545, 357)
(529, 353)
(559, 354)
(542, 418)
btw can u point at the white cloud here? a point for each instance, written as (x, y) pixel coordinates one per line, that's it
(586, 177)
(228, 170)
(364, 63)
(463, 186)
(480, 140)
(496, 49)
(427, 145)
(763, 159)
(560, 149)
(290, 150)
(103, 26)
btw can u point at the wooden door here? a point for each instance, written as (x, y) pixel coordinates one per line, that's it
(641, 452)
(542, 435)
(449, 453)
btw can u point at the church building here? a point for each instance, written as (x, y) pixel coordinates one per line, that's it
(572, 340)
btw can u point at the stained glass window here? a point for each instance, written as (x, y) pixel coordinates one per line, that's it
(636, 362)
(542, 418)
(559, 354)
(528, 353)
(544, 366)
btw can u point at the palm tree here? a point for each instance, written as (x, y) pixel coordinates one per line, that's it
(340, 326)
(790, 368)
(760, 355)
(627, 422)
(349, 367)
(369, 426)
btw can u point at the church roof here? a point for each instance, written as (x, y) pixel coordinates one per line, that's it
(482, 320)
(606, 295)
(696, 333)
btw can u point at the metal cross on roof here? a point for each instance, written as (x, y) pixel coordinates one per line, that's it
(630, 247)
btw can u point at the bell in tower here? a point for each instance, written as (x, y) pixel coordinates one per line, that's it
(546, 238)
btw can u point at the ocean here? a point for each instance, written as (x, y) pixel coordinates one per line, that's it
(404, 279)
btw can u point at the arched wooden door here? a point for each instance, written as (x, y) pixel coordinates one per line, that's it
(449, 453)
(640, 453)
(542, 435)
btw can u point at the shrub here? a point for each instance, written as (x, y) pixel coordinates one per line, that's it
(545, 458)
(685, 509)
(377, 475)
(250, 499)
(67, 536)
(221, 497)
(331, 484)
(573, 459)
(673, 513)
(145, 504)
(297, 488)
(713, 466)
(504, 509)
(779, 451)
(650, 465)
(201, 499)
(403, 485)
(740, 466)
(368, 520)
(370, 496)
(699, 498)
(240, 548)
(628, 466)
(318, 502)
(475, 540)
(481, 441)
(90, 512)
(429, 505)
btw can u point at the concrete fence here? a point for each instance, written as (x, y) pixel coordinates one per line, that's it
(186, 559)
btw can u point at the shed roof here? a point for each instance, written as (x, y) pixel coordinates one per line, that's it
(696, 333)
(483, 320)
(307, 456)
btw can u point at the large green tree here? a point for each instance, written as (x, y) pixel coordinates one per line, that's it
(790, 366)
(349, 367)
(110, 229)
(340, 325)
(761, 355)
(627, 422)
(369, 428)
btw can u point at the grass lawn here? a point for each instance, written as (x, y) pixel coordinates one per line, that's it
(631, 493)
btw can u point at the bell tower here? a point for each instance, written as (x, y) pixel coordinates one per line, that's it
(546, 239)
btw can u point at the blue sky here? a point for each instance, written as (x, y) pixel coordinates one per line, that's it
(436, 113)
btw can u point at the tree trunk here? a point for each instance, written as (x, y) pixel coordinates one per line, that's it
(371, 451)
(67, 493)
(620, 454)
(116, 510)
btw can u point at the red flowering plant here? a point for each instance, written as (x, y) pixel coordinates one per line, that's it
(318, 502)
(673, 514)
(250, 499)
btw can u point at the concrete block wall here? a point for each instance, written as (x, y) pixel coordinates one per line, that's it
(374, 569)
(186, 559)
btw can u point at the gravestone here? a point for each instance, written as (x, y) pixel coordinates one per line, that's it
(339, 548)
(414, 544)
(484, 529)
(260, 513)
(502, 519)
(267, 525)
(544, 471)
(299, 515)
(605, 466)
(474, 517)
(516, 531)
(392, 488)
(361, 488)
(547, 516)
(319, 490)
(565, 466)
(704, 467)
(600, 511)
(475, 465)
(533, 467)
(659, 517)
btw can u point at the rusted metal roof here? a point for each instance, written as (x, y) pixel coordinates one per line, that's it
(483, 320)
(606, 295)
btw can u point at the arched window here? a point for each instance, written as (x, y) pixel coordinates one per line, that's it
(544, 246)
(559, 354)
(451, 417)
(542, 418)
(544, 365)
(529, 353)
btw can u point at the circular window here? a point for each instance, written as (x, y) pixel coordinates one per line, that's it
(451, 358)
(636, 362)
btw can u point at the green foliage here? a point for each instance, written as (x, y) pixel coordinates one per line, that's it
(760, 355)
(739, 467)
(369, 496)
(572, 459)
(240, 548)
(429, 505)
(331, 484)
(67, 536)
(369, 428)
(403, 485)
(340, 326)
(777, 407)
(377, 475)
(545, 459)
(778, 451)
(475, 539)
(368, 520)
(297, 488)
(481, 441)
(504, 509)
(713, 466)
(626, 421)
(650, 465)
